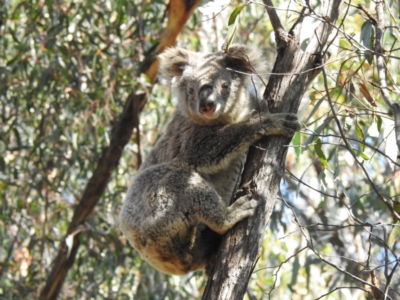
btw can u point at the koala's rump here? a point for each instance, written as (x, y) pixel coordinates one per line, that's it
(160, 221)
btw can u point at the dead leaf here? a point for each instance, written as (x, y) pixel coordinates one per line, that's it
(367, 95)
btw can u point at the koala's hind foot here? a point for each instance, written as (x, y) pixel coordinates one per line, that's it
(283, 123)
(242, 208)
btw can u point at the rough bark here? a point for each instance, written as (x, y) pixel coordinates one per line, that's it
(264, 168)
(178, 13)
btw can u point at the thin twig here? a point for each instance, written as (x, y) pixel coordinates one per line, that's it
(389, 279)
(279, 267)
(341, 287)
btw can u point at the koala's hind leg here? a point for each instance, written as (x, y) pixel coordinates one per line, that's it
(165, 213)
(203, 204)
(182, 196)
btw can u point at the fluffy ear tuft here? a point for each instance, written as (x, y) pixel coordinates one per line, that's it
(173, 62)
(245, 59)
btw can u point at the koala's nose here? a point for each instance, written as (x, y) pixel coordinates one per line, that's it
(207, 109)
(207, 101)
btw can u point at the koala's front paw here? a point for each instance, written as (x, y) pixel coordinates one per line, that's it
(284, 123)
(290, 124)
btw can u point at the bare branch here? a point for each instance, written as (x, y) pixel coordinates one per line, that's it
(339, 288)
(281, 35)
(389, 279)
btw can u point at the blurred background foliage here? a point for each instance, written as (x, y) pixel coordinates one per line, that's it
(66, 69)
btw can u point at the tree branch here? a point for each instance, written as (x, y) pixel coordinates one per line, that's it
(281, 35)
(179, 12)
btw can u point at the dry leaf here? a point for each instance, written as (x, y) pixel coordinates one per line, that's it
(367, 95)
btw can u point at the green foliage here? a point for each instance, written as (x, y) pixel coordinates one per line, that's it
(66, 69)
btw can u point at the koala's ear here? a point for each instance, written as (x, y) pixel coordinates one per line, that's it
(245, 59)
(173, 62)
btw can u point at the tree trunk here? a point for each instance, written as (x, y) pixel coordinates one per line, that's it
(264, 168)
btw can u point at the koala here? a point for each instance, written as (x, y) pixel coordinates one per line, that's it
(177, 206)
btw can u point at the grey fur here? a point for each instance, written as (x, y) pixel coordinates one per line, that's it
(178, 204)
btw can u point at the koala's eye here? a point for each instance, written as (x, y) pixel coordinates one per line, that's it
(191, 91)
(224, 85)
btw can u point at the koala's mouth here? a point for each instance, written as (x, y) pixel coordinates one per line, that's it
(210, 111)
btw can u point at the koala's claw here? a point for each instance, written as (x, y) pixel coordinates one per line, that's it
(291, 117)
(285, 123)
(291, 125)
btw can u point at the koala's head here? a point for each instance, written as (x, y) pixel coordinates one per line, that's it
(212, 88)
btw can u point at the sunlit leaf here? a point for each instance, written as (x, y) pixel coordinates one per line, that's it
(296, 141)
(367, 39)
(343, 189)
(295, 271)
(232, 24)
(391, 149)
(317, 131)
(379, 123)
(234, 14)
(359, 131)
(394, 234)
(320, 153)
(367, 95)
